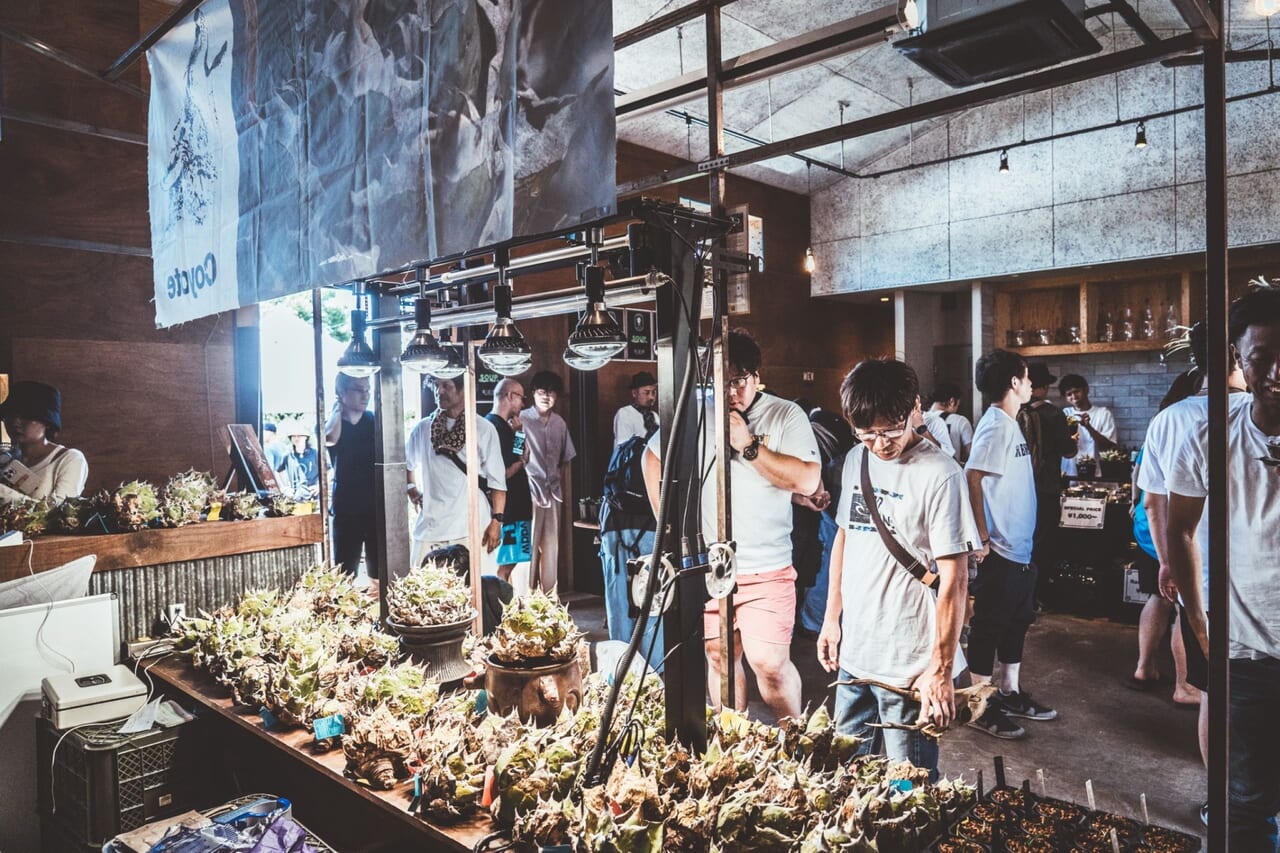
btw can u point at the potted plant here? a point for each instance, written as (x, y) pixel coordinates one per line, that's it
(430, 608)
(531, 661)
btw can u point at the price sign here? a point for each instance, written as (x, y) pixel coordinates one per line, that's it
(639, 335)
(1083, 513)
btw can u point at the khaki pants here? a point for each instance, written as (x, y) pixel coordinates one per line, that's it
(544, 564)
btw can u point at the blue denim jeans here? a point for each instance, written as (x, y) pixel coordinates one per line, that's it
(616, 547)
(815, 599)
(1255, 754)
(859, 704)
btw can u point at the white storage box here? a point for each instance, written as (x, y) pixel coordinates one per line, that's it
(75, 699)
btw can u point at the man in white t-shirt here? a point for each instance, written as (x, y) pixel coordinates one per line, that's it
(1253, 494)
(899, 631)
(1095, 426)
(774, 454)
(946, 408)
(435, 459)
(1002, 491)
(640, 416)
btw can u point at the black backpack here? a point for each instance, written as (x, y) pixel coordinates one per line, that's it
(625, 503)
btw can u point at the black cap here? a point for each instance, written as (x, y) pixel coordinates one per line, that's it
(35, 401)
(1040, 376)
(643, 379)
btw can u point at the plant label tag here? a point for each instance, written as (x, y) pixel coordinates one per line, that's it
(215, 511)
(269, 720)
(331, 726)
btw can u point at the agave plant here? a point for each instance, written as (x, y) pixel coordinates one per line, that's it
(26, 515)
(184, 498)
(281, 505)
(378, 748)
(134, 506)
(432, 594)
(536, 628)
(71, 515)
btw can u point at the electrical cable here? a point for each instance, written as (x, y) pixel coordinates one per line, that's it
(48, 611)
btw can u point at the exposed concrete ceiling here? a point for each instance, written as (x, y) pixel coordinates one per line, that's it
(869, 81)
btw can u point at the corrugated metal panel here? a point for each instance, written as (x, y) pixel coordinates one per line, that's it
(147, 591)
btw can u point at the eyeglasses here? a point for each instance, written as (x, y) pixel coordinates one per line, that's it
(887, 434)
(738, 383)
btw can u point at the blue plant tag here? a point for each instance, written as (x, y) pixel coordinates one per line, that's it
(331, 726)
(482, 701)
(269, 720)
(903, 785)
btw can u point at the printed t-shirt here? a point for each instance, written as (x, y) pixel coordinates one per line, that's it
(1008, 489)
(1101, 419)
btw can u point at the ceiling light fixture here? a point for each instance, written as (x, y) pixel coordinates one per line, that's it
(504, 350)
(811, 263)
(1004, 161)
(456, 359)
(1140, 140)
(1266, 8)
(358, 359)
(909, 14)
(424, 353)
(582, 362)
(597, 334)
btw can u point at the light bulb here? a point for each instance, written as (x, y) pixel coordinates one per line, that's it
(358, 359)
(911, 14)
(1140, 140)
(597, 334)
(424, 353)
(582, 362)
(1266, 8)
(810, 263)
(1004, 161)
(504, 349)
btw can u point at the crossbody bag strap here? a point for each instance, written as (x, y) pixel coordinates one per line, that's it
(918, 570)
(453, 457)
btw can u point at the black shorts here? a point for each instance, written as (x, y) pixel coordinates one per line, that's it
(1197, 664)
(1004, 593)
(1148, 572)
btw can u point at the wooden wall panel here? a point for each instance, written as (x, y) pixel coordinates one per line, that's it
(137, 410)
(74, 295)
(74, 187)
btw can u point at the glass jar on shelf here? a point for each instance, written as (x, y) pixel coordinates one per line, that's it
(1126, 324)
(1172, 322)
(1106, 328)
(1147, 328)
(1043, 337)
(1019, 337)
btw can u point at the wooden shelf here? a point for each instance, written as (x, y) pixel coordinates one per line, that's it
(165, 545)
(1086, 349)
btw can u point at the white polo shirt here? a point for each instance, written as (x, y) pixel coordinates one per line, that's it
(761, 511)
(444, 485)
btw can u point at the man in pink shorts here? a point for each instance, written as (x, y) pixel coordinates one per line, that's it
(774, 454)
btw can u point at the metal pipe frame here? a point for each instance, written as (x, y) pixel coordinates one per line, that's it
(812, 47)
(1132, 18)
(1048, 79)
(662, 23)
(1216, 306)
(142, 45)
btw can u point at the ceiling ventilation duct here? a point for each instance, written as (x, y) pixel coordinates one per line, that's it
(964, 42)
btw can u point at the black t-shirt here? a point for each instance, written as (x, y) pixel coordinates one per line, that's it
(519, 503)
(352, 457)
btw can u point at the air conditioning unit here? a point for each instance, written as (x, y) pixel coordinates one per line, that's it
(964, 42)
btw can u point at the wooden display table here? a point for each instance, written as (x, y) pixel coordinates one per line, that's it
(178, 677)
(163, 545)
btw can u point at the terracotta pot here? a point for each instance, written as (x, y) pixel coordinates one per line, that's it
(537, 693)
(439, 647)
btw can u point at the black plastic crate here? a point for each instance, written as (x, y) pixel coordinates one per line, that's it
(101, 783)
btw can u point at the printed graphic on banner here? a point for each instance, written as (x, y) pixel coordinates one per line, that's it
(295, 144)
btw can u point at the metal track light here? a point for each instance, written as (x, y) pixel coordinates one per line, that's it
(424, 353)
(597, 334)
(359, 359)
(505, 350)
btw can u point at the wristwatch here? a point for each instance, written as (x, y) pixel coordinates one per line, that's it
(752, 450)
(497, 516)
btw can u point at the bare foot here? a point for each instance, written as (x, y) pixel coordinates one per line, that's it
(1186, 695)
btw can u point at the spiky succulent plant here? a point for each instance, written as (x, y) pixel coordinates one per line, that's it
(184, 498)
(134, 506)
(25, 515)
(378, 748)
(242, 506)
(534, 629)
(281, 505)
(431, 594)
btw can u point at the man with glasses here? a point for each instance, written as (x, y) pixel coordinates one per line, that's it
(1253, 494)
(773, 455)
(437, 472)
(900, 633)
(508, 399)
(1002, 491)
